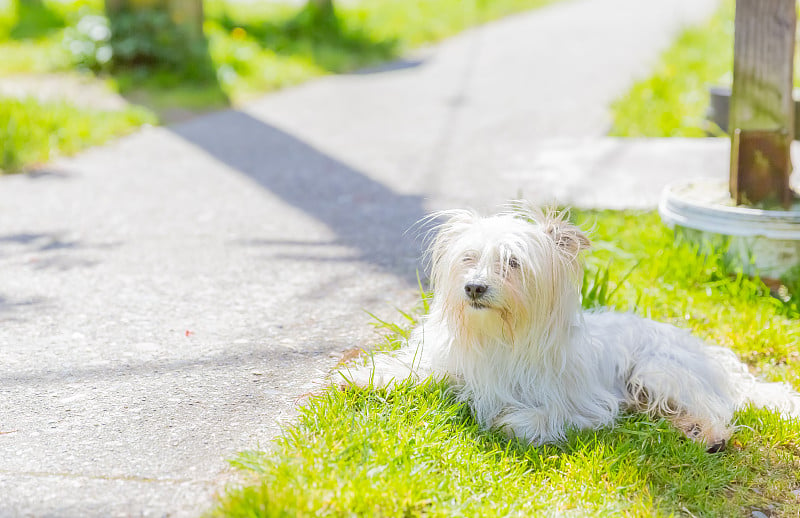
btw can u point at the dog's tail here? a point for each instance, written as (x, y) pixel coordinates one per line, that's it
(774, 396)
(748, 389)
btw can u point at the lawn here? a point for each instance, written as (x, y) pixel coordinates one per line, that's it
(672, 102)
(415, 451)
(248, 48)
(32, 132)
(674, 99)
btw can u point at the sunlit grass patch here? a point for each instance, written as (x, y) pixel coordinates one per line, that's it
(672, 102)
(417, 451)
(32, 132)
(31, 33)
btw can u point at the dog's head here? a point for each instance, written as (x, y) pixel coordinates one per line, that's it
(507, 273)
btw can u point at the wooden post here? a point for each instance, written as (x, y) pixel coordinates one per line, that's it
(184, 13)
(189, 14)
(762, 108)
(115, 6)
(324, 5)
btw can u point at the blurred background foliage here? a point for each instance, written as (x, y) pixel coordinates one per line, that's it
(246, 47)
(168, 70)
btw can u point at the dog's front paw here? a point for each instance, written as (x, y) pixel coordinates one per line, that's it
(354, 377)
(381, 370)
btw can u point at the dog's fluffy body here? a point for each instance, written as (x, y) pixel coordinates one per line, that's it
(505, 327)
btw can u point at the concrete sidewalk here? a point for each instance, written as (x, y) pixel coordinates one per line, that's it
(166, 299)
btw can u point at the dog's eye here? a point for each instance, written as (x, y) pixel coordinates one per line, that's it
(469, 258)
(513, 262)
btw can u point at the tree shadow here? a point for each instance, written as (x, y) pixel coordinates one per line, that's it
(11, 307)
(39, 241)
(365, 215)
(35, 20)
(143, 368)
(51, 251)
(33, 242)
(392, 66)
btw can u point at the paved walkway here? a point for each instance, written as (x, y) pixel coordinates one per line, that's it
(166, 299)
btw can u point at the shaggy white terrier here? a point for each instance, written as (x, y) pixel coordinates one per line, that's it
(506, 328)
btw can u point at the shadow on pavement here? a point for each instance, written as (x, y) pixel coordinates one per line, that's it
(366, 215)
(51, 250)
(9, 307)
(283, 359)
(392, 66)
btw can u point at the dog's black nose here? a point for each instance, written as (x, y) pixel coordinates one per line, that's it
(717, 447)
(475, 290)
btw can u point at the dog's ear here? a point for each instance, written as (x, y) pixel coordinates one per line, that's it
(567, 237)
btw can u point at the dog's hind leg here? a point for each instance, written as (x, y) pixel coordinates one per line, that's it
(534, 426)
(687, 388)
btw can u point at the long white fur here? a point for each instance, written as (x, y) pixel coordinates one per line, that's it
(528, 361)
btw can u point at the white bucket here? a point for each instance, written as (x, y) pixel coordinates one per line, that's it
(766, 241)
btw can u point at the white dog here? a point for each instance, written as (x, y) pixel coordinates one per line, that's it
(506, 328)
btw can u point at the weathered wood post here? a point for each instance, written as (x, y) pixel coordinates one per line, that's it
(762, 108)
(187, 14)
(326, 5)
(323, 12)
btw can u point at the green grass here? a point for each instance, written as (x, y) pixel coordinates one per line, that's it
(32, 132)
(416, 451)
(672, 102)
(674, 99)
(32, 33)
